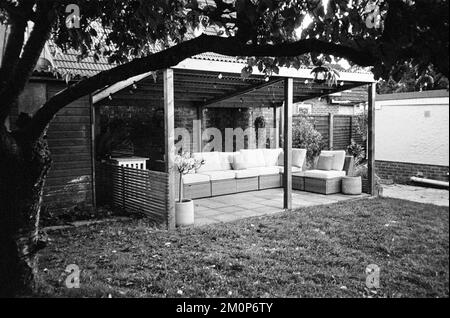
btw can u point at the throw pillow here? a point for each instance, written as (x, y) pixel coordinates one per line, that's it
(325, 162)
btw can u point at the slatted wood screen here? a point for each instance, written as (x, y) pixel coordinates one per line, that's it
(344, 129)
(134, 190)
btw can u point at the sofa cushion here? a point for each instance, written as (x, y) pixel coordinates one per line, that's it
(322, 174)
(294, 169)
(246, 173)
(211, 161)
(271, 156)
(264, 171)
(339, 158)
(253, 157)
(238, 162)
(195, 178)
(226, 159)
(220, 175)
(298, 157)
(325, 162)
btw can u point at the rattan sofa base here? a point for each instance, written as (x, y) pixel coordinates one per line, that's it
(270, 181)
(197, 190)
(221, 187)
(247, 184)
(323, 186)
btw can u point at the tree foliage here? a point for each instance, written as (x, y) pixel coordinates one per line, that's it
(381, 34)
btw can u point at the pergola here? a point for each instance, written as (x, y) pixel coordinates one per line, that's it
(211, 80)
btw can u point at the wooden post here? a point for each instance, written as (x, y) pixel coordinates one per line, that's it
(330, 131)
(197, 130)
(276, 128)
(287, 143)
(94, 115)
(371, 139)
(351, 130)
(169, 143)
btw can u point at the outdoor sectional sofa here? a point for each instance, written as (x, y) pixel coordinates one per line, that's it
(247, 170)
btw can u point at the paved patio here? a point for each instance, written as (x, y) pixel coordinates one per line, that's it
(417, 194)
(232, 207)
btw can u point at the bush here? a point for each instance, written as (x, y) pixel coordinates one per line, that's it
(304, 135)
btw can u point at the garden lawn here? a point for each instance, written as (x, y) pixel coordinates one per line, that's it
(312, 252)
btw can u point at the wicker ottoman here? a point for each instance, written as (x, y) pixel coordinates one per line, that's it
(351, 185)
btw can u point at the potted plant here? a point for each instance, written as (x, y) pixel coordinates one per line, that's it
(184, 208)
(358, 152)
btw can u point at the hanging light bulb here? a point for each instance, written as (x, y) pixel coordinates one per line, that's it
(267, 78)
(220, 76)
(134, 85)
(342, 83)
(109, 97)
(306, 81)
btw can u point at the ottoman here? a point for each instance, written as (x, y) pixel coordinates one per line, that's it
(351, 185)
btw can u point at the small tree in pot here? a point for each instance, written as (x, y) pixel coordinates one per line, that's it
(184, 208)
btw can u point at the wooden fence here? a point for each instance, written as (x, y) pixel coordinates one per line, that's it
(134, 190)
(337, 130)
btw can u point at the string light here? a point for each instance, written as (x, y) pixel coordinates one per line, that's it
(267, 78)
(306, 81)
(220, 76)
(342, 83)
(109, 97)
(134, 85)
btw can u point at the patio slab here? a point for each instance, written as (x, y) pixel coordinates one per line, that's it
(237, 206)
(417, 194)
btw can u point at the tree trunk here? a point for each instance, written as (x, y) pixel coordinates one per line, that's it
(23, 169)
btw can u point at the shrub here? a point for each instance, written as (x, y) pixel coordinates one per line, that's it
(304, 135)
(357, 151)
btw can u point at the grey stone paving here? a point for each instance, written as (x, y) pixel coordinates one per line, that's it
(417, 194)
(232, 207)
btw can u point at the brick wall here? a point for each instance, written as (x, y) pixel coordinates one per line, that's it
(400, 172)
(244, 118)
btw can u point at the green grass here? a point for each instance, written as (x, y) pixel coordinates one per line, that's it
(313, 252)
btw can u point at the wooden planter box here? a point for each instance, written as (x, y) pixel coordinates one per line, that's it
(323, 186)
(270, 181)
(247, 184)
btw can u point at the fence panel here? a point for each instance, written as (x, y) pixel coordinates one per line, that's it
(344, 129)
(134, 190)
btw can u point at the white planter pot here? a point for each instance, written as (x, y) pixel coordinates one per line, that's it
(184, 213)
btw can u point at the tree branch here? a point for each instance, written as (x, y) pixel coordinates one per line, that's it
(30, 55)
(176, 54)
